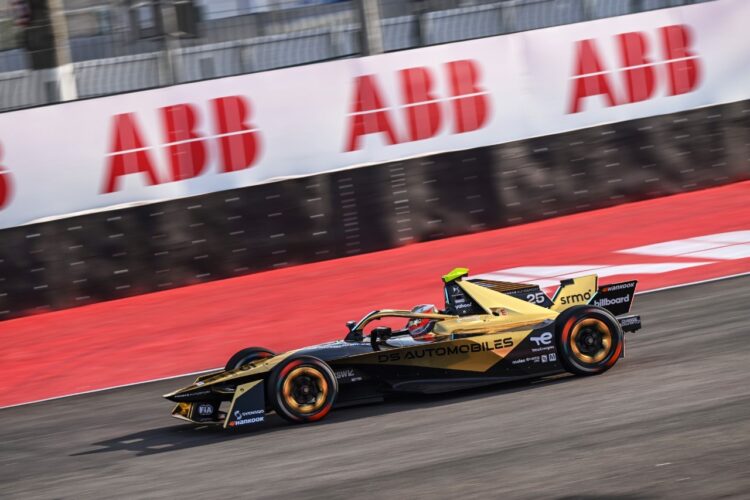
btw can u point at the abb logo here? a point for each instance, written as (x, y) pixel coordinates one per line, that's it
(5, 185)
(424, 112)
(637, 68)
(185, 148)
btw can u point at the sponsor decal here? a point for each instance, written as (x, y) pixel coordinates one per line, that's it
(465, 107)
(344, 373)
(641, 72)
(432, 352)
(347, 375)
(543, 349)
(187, 150)
(247, 417)
(576, 298)
(205, 409)
(630, 321)
(552, 356)
(544, 358)
(621, 286)
(543, 339)
(192, 394)
(604, 302)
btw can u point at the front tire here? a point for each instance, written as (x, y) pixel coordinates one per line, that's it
(302, 389)
(247, 355)
(589, 339)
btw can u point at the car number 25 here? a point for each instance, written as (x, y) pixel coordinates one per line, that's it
(535, 298)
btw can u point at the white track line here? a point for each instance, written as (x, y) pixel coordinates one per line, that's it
(93, 391)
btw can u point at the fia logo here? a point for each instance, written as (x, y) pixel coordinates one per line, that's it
(205, 409)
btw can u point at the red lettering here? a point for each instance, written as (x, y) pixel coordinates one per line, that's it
(470, 103)
(187, 154)
(369, 116)
(682, 64)
(5, 185)
(422, 108)
(128, 154)
(589, 78)
(639, 80)
(238, 140)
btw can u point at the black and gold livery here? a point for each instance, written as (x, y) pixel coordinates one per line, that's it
(488, 332)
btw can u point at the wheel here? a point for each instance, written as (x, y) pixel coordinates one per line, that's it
(589, 339)
(302, 389)
(246, 356)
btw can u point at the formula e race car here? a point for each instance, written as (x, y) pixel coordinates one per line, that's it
(488, 332)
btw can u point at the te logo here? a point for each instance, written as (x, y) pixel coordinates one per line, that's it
(592, 77)
(185, 148)
(5, 183)
(423, 112)
(543, 339)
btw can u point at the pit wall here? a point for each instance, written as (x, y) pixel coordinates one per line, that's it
(238, 175)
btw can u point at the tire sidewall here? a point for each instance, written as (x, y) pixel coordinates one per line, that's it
(278, 377)
(564, 326)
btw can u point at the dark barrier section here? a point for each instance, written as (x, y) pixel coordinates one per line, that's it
(119, 253)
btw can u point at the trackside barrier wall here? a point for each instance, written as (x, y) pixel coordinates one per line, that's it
(228, 133)
(118, 253)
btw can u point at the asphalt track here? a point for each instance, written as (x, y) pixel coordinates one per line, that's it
(670, 420)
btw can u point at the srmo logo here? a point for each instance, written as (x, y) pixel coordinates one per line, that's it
(6, 188)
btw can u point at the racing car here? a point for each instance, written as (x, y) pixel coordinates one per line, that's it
(488, 332)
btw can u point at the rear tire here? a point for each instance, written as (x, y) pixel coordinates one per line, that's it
(589, 339)
(247, 355)
(302, 389)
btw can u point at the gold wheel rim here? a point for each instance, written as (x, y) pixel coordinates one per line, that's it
(316, 378)
(601, 332)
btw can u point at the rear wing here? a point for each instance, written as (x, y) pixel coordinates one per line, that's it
(617, 298)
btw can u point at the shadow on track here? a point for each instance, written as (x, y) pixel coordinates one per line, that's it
(186, 436)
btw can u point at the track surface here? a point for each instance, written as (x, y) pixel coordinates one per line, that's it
(670, 420)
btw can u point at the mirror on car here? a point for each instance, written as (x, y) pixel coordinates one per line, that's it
(383, 332)
(350, 324)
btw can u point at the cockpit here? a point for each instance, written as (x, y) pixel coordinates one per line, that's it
(388, 326)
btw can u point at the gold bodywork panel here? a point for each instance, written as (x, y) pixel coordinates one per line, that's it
(490, 301)
(504, 313)
(475, 354)
(579, 292)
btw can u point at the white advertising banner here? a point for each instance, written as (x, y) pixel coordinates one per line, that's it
(233, 132)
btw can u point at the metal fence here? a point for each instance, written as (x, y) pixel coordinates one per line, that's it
(116, 46)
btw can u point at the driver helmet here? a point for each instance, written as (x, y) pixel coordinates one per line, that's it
(421, 328)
